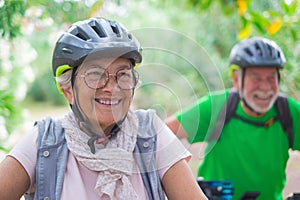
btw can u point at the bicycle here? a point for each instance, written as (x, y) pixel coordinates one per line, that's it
(224, 190)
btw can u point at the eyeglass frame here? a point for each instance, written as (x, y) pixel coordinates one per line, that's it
(115, 75)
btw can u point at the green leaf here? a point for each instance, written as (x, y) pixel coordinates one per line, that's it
(291, 8)
(203, 4)
(11, 14)
(3, 148)
(294, 34)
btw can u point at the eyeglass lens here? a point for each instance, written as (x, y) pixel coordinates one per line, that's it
(97, 77)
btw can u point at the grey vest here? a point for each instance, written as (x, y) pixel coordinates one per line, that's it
(52, 158)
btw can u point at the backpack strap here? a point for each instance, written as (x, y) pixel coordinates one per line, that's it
(226, 113)
(285, 118)
(230, 109)
(52, 155)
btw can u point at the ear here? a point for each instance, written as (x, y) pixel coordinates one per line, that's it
(68, 94)
(235, 80)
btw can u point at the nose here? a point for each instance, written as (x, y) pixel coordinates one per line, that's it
(111, 83)
(265, 85)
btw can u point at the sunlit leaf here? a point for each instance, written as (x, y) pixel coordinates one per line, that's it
(274, 27)
(245, 32)
(95, 8)
(242, 6)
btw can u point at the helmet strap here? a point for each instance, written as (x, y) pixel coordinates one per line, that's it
(73, 76)
(242, 94)
(86, 126)
(83, 124)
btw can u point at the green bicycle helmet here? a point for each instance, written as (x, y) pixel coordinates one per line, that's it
(95, 35)
(257, 52)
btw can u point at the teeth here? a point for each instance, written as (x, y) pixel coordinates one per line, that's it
(263, 96)
(108, 102)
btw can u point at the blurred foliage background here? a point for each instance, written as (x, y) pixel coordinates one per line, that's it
(29, 29)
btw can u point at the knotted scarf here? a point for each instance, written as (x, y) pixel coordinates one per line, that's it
(113, 162)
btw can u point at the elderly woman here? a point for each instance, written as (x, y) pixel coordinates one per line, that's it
(101, 149)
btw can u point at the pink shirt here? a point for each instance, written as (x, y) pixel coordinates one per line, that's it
(79, 181)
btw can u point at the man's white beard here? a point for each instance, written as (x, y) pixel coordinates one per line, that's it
(258, 108)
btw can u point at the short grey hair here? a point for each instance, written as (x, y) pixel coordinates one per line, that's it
(64, 80)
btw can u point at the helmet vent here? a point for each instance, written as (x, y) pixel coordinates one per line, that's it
(278, 54)
(270, 50)
(67, 50)
(247, 50)
(99, 31)
(258, 50)
(81, 36)
(115, 29)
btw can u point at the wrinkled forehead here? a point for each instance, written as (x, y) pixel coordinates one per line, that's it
(263, 71)
(106, 63)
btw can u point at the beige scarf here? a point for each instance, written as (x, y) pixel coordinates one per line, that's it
(114, 162)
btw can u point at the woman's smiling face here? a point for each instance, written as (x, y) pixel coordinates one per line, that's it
(108, 103)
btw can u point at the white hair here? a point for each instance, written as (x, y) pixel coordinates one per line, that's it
(238, 72)
(64, 80)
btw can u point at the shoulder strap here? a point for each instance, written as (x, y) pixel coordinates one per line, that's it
(227, 112)
(52, 157)
(144, 154)
(285, 118)
(229, 108)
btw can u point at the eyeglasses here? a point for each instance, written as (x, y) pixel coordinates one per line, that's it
(97, 77)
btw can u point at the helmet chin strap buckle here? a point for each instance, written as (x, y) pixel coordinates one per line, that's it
(91, 143)
(102, 140)
(98, 140)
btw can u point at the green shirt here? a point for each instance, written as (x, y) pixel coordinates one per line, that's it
(254, 158)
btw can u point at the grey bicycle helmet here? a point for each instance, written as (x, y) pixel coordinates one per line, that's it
(257, 52)
(98, 35)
